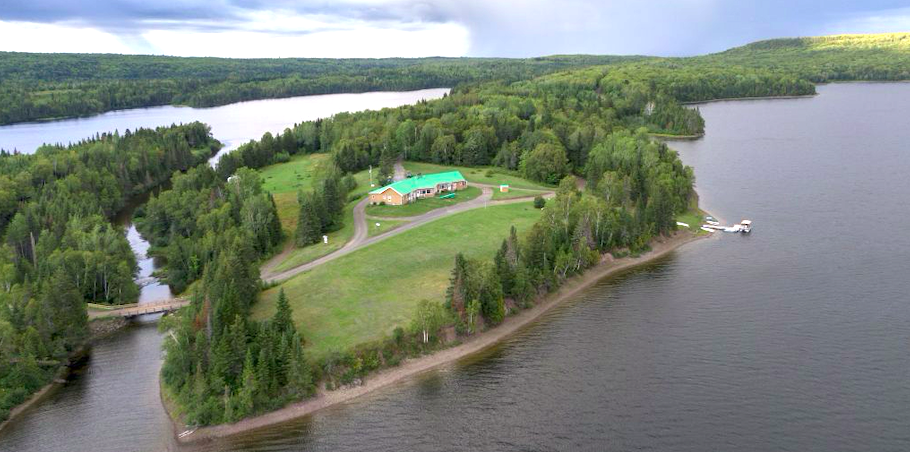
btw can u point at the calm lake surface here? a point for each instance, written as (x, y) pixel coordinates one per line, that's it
(233, 124)
(796, 337)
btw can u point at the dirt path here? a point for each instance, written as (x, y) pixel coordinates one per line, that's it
(361, 239)
(400, 173)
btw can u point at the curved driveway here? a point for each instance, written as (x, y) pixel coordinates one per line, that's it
(360, 238)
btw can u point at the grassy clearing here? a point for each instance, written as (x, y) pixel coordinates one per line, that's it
(285, 180)
(422, 206)
(514, 193)
(363, 296)
(337, 239)
(384, 226)
(694, 218)
(478, 175)
(298, 174)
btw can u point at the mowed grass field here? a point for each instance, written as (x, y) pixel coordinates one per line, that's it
(384, 226)
(477, 175)
(422, 206)
(514, 193)
(285, 180)
(299, 173)
(363, 296)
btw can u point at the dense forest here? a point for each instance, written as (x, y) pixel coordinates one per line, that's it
(533, 117)
(60, 249)
(41, 86)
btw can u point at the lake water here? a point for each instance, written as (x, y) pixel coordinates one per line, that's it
(233, 124)
(796, 337)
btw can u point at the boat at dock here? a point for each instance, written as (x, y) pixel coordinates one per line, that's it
(744, 226)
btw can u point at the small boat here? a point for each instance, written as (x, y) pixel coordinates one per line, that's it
(707, 229)
(745, 226)
(709, 218)
(680, 223)
(712, 222)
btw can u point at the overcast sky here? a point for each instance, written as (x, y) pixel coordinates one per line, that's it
(410, 28)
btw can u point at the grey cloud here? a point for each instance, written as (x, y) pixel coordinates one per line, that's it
(497, 28)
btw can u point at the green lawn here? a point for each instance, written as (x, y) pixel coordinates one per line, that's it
(337, 239)
(478, 175)
(694, 218)
(514, 193)
(366, 294)
(422, 206)
(384, 226)
(284, 180)
(297, 174)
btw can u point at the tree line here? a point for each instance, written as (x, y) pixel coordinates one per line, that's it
(202, 215)
(43, 86)
(59, 248)
(636, 188)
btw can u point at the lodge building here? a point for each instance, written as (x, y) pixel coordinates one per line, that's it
(421, 186)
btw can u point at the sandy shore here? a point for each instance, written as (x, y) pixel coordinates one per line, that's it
(725, 99)
(416, 366)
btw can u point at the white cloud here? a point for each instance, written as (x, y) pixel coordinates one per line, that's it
(264, 34)
(34, 37)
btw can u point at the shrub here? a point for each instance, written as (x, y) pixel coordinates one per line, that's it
(539, 202)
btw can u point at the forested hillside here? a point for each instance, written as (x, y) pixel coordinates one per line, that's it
(59, 248)
(826, 58)
(41, 86)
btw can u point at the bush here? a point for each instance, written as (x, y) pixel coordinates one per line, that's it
(281, 157)
(348, 183)
(539, 202)
(490, 173)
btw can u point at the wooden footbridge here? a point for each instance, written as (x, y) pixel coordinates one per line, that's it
(133, 310)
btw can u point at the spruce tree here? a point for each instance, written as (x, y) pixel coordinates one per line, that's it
(283, 321)
(456, 294)
(309, 224)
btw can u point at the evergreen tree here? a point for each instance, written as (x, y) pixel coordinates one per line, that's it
(456, 294)
(309, 224)
(283, 321)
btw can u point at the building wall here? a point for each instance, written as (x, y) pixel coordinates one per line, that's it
(392, 197)
(389, 197)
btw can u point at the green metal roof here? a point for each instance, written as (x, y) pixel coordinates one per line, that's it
(410, 184)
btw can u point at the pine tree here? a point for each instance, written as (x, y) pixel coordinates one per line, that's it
(334, 202)
(264, 370)
(283, 321)
(309, 224)
(275, 231)
(300, 380)
(503, 268)
(249, 386)
(456, 294)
